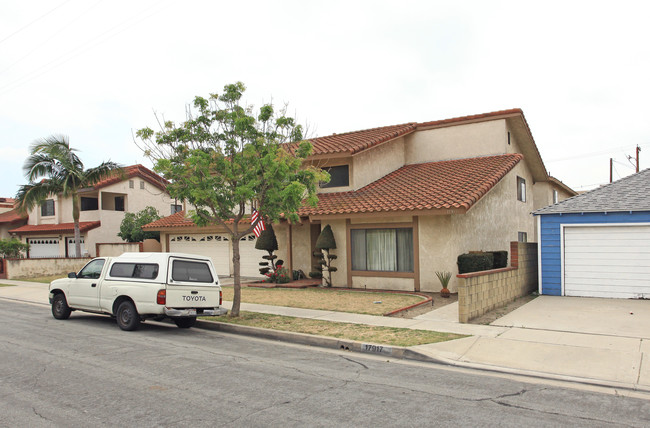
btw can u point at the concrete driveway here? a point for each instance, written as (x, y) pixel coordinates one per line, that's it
(590, 315)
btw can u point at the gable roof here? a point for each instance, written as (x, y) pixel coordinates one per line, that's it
(434, 186)
(12, 216)
(357, 141)
(133, 171)
(631, 193)
(351, 143)
(28, 229)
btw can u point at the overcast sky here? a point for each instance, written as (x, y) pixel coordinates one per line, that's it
(97, 70)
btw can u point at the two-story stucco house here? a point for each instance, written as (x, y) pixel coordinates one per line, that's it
(10, 218)
(404, 201)
(50, 228)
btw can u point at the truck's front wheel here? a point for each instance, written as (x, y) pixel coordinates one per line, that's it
(60, 308)
(127, 316)
(185, 322)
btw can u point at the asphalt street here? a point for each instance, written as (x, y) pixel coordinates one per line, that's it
(85, 371)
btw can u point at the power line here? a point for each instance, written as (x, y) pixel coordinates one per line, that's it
(593, 154)
(79, 50)
(34, 21)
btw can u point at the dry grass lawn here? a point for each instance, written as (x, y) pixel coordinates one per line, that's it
(359, 332)
(44, 279)
(359, 302)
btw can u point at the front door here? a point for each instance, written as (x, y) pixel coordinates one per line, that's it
(84, 289)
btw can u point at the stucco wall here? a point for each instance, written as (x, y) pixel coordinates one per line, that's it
(116, 249)
(32, 268)
(136, 200)
(301, 252)
(371, 165)
(490, 225)
(457, 142)
(379, 283)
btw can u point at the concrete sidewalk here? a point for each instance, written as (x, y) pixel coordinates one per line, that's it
(608, 358)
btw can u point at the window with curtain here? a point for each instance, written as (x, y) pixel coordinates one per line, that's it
(383, 250)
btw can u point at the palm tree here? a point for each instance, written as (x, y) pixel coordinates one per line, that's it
(53, 159)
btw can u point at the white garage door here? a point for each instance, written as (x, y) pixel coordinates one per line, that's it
(43, 247)
(71, 247)
(607, 261)
(250, 256)
(212, 245)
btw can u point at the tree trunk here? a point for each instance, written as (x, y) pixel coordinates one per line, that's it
(75, 218)
(236, 301)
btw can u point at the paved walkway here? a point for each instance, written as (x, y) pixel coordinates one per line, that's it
(594, 353)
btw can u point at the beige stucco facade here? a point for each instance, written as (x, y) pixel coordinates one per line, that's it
(491, 224)
(136, 198)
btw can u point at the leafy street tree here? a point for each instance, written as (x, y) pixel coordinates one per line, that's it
(131, 226)
(226, 158)
(53, 159)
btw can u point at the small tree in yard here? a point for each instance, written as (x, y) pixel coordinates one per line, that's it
(131, 226)
(269, 243)
(326, 242)
(12, 248)
(225, 158)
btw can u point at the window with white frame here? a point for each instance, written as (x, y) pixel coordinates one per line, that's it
(555, 197)
(522, 236)
(521, 189)
(176, 208)
(382, 250)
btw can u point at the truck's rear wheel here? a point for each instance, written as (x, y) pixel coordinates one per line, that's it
(60, 308)
(127, 316)
(185, 322)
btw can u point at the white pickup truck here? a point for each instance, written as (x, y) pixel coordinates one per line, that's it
(137, 286)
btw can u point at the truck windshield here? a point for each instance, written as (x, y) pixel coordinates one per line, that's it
(184, 271)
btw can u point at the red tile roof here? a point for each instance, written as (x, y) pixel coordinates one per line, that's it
(12, 216)
(453, 184)
(472, 118)
(175, 220)
(134, 171)
(356, 141)
(178, 220)
(84, 226)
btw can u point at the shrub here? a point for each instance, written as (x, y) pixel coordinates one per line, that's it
(325, 242)
(12, 248)
(500, 259)
(475, 262)
(268, 242)
(131, 226)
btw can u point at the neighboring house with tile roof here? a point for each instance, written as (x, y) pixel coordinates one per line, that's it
(597, 244)
(404, 201)
(10, 218)
(50, 229)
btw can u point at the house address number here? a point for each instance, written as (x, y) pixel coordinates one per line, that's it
(376, 349)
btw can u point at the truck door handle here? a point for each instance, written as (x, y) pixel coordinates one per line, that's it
(93, 285)
(195, 292)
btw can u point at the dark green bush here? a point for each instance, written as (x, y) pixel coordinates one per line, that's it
(475, 262)
(500, 259)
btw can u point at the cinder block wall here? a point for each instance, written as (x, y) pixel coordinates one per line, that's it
(481, 292)
(32, 268)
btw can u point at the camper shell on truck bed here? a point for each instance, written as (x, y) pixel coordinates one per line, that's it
(138, 286)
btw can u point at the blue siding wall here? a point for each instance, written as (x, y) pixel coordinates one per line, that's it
(550, 241)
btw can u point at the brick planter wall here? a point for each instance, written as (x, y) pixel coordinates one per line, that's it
(481, 292)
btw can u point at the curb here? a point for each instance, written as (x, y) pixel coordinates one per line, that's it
(400, 352)
(319, 341)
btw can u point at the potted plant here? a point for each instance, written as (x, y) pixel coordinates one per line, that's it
(444, 278)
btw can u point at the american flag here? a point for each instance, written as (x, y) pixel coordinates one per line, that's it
(259, 227)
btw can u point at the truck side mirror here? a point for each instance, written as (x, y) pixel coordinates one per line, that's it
(72, 275)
